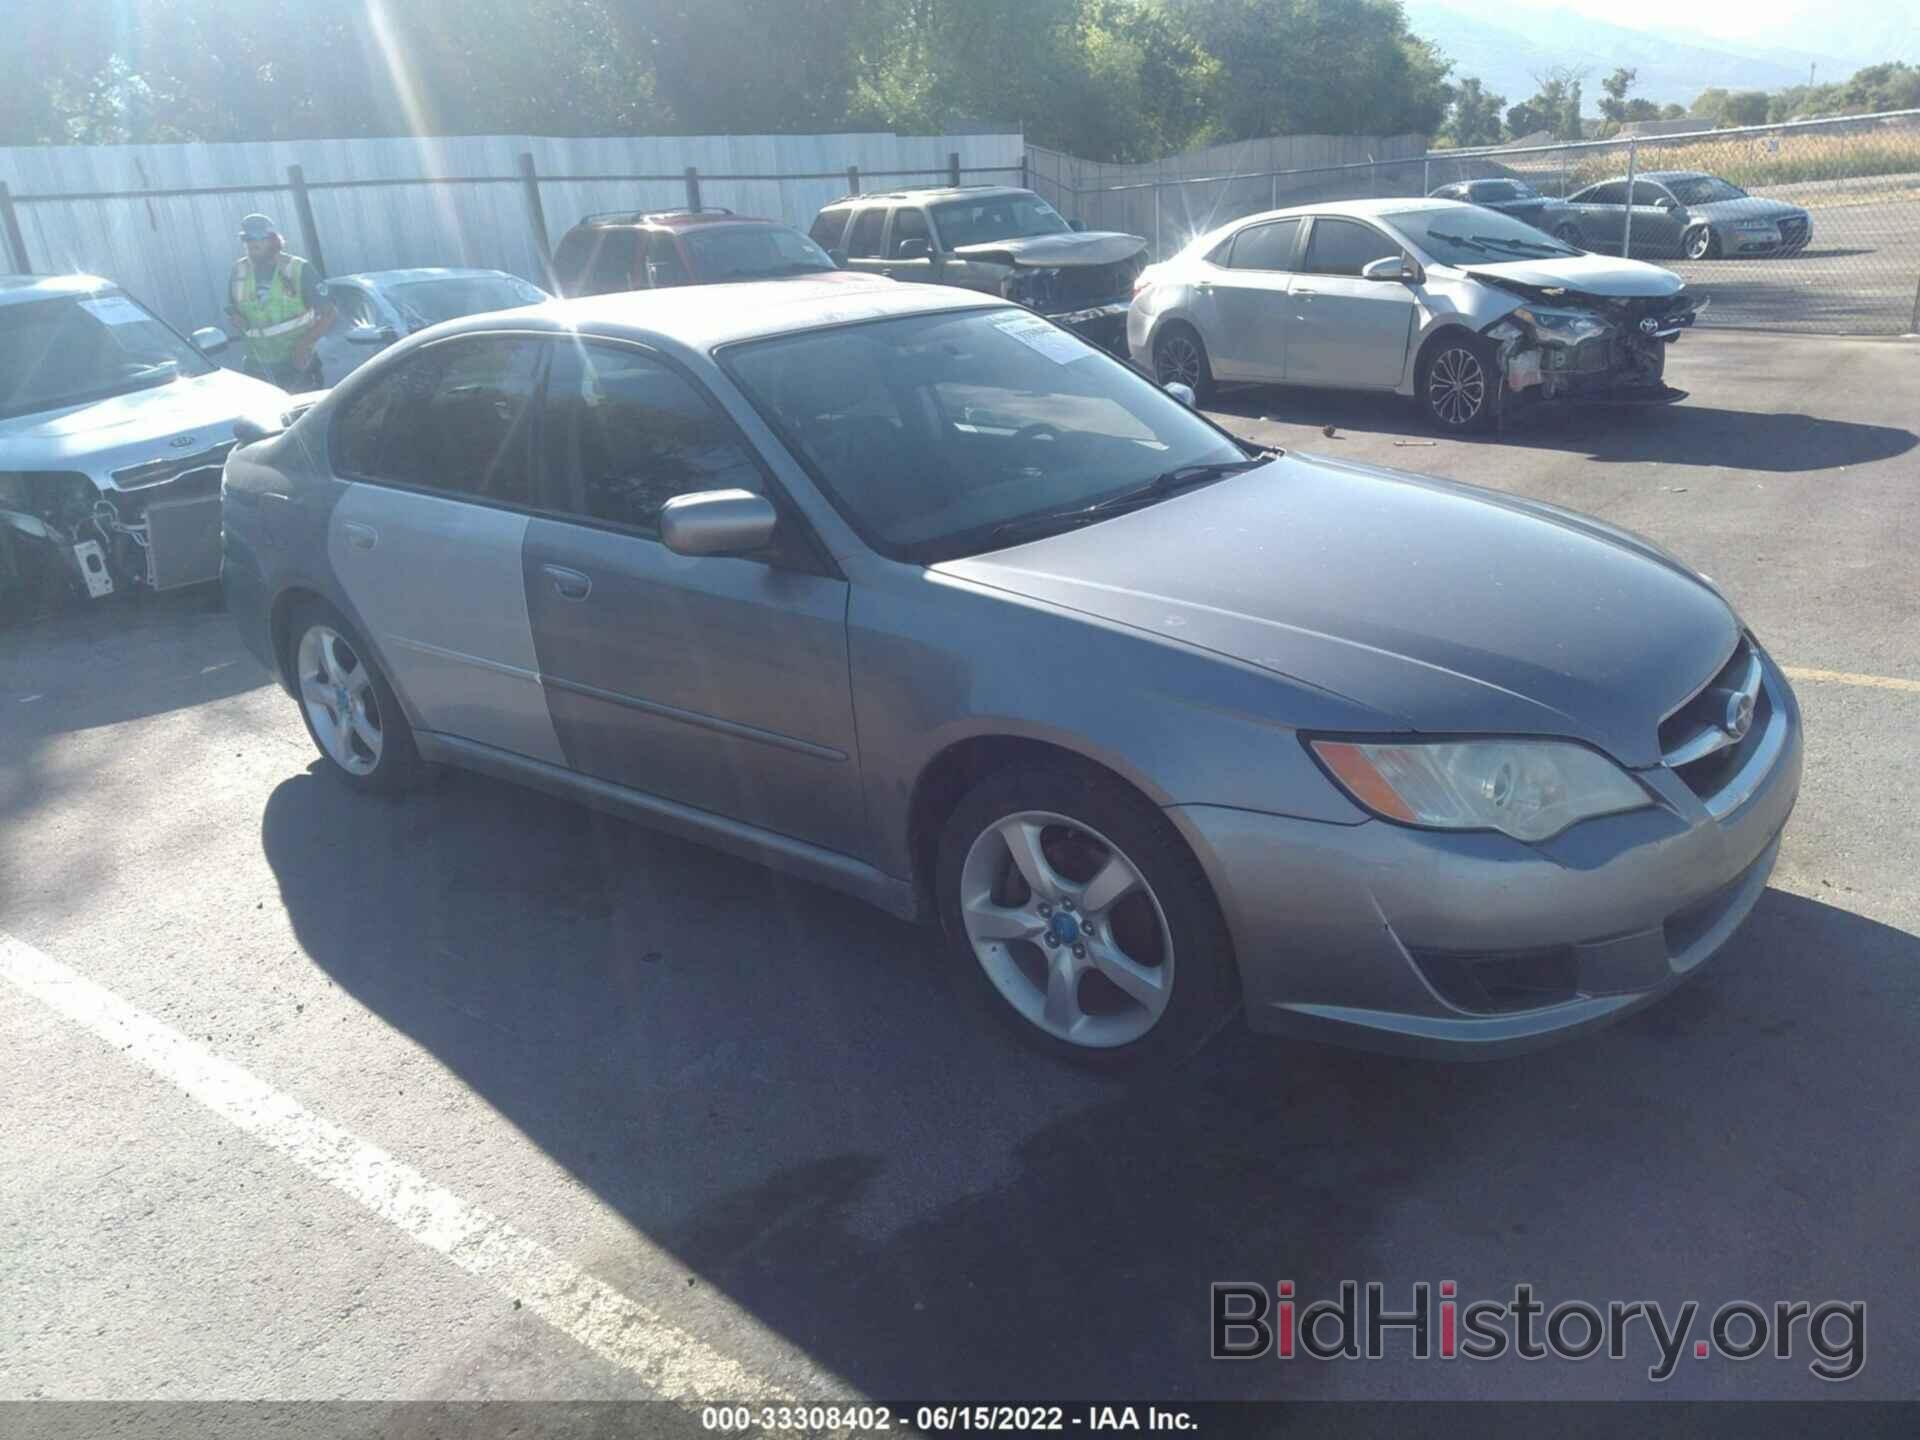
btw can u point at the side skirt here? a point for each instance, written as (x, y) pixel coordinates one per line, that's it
(733, 837)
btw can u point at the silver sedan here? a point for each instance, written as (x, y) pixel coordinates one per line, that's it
(912, 593)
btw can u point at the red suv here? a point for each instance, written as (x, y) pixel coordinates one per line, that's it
(631, 250)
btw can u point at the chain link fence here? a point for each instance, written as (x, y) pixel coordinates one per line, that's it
(1812, 225)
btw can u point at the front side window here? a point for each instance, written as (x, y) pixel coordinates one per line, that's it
(77, 348)
(909, 223)
(1265, 247)
(943, 435)
(665, 267)
(452, 418)
(863, 241)
(623, 434)
(1345, 247)
(1648, 194)
(995, 217)
(427, 302)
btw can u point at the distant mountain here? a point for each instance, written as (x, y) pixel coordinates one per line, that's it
(1506, 53)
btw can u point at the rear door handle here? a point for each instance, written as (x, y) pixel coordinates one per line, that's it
(361, 537)
(569, 584)
(1306, 294)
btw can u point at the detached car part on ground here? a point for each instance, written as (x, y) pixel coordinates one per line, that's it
(113, 428)
(1474, 313)
(997, 239)
(911, 593)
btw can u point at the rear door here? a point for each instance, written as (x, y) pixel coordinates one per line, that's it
(426, 538)
(1245, 305)
(719, 682)
(1343, 330)
(865, 251)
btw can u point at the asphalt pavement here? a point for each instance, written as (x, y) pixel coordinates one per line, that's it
(476, 1094)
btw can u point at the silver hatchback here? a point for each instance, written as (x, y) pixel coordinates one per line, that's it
(910, 592)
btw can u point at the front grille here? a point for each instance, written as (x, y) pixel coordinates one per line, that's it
(1695, 741)
(1090, 284)
(159, 472)
(1793, 231)
(1502, 982)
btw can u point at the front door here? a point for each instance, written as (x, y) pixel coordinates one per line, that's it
(1344, 330)
(426, 538)
(719, 682)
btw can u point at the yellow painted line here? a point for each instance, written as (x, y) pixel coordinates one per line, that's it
(1844, 677)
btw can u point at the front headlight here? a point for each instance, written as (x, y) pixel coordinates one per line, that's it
(1568, 325)
(1529, 789)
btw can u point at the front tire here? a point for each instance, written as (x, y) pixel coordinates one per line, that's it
(1700, 243)
(1458, 380)
(1075, 913)
(1180, 356)
(350, 710)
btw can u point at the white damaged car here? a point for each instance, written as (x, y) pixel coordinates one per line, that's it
(1472, 312)
(113, 429)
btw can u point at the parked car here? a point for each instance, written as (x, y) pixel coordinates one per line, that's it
(377, 307)
(113, 426)
(1687, 213)
(1470, 311)
(630, 250)
(993, 238)
(1521, 201)
(912, 593)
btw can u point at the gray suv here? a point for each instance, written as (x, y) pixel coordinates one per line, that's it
(997, 239)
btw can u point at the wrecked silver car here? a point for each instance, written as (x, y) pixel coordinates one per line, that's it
(994, 238)
(1473, 313)
(113, 429)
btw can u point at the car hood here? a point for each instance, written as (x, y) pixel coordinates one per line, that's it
(1588, 274)
(1074, 247)
(1753, 207)
(1444, 608)
(203, 407)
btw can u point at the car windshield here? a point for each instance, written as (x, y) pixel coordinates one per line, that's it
(1500, 191)
(1704, 190)
(452, 296)
(995, 217)
(77, 348)
(735, 252)
(944, 435)
(1474, 237)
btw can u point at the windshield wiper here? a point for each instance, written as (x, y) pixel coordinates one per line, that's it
(1074, 516)
(1546, 245)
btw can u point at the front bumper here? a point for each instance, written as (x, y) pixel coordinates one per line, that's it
(1105, 324)
(1473, 945)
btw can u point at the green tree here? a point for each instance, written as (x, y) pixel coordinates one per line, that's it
(1744, 107)
(1474, 118)
(1616, 85)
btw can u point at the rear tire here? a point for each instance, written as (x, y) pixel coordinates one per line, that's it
(1458, 380)
(1114, 954)
(1180, 356)
(351, 712)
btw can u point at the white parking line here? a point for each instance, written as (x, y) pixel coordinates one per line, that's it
(670, 1362)
(1799, 673)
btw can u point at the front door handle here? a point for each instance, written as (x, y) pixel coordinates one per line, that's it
(1306, 294)
(569, 584)
(361, 537)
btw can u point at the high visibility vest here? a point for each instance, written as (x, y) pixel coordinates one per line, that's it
(274, 324)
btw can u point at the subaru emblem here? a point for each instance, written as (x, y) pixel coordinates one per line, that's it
(181, 442)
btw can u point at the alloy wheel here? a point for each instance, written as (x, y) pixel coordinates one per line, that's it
(1067, 929)
(1456, 386)
(1700, 244)
(336, 686)
(1179, 361)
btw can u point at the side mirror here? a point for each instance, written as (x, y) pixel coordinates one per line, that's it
(209, 341)
(247, 430)
(1076, 224)
(839, 259)
(717, 522)
(914, 250)
(1666, 202)
(1183, 393)
(371, 335)
(1400, 268)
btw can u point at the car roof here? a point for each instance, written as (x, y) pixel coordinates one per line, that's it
(936, 192)
(1671, 175)
(699, 318)
(18, 289)
(669, 219)
(1357, 209)
(378, 278)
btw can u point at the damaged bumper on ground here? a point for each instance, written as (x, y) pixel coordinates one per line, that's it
(1566, 346)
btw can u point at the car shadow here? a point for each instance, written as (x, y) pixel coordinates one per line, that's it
(769, 1082)
(1682, 434)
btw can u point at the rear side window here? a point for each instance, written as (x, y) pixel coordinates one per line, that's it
(864, 240)
(1344, 247)
(1265, 247)
(624, 434)
(664, 265)
(828, 227)
(595, 261)
(452, 418)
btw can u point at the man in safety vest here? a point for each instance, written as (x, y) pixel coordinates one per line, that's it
(280, 307)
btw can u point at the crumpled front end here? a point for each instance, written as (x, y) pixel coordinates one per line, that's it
(1090, 299)
(1566, 345)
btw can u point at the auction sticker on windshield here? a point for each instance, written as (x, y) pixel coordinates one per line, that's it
(115, 310)
(1049, 339)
